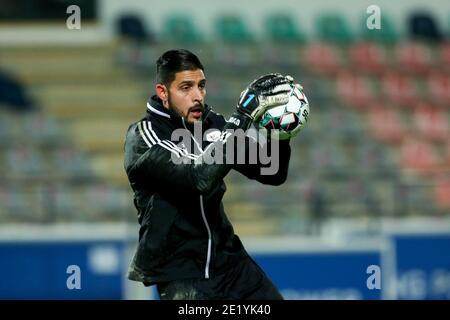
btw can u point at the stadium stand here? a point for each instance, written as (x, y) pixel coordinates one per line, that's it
(181, 30)
(387, 35)
(422, 26)
(378, 141)
(132, 27)
(332, 27)
(282, 29)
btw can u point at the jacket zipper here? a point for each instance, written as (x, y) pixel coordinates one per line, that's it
(208, 254)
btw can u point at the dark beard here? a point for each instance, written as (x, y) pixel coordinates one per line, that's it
(169, 102)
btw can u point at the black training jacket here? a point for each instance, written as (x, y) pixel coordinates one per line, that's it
(184, 231)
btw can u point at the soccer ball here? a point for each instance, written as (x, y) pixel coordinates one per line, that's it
(284, 122)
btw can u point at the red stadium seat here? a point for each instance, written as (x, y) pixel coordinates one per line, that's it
(322, 58)
(438, 84)
(413, 57)
(442, 193)
(431, 123)
(444, 56)
(399, 89)
(369, 57)
(386, 125)
(420, 157)
(447, 156)
(354, 90)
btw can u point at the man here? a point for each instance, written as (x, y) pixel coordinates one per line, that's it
(187, 246)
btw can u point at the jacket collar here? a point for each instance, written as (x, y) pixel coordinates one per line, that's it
(158, 111)
(155, 107)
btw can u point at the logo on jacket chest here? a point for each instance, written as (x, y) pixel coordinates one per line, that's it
(213, 136)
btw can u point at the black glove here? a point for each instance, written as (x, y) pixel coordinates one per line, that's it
(263, 93)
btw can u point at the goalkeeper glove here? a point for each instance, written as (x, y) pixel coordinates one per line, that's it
(263, 93)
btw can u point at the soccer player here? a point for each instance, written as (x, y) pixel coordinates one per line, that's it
(187, 246)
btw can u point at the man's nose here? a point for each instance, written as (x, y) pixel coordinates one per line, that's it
(197, 95)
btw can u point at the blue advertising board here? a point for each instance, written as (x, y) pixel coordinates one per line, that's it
(422, 265)
(61, 270)
(322, 275)
(412, 266)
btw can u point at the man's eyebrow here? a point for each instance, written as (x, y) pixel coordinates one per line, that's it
(186, 82)
(190, 82)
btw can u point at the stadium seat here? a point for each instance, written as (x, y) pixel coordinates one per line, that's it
(281, 57)
(374, 159)
(399, 89)
(438, 85)
(25, 162)
(431, 123)
(368, 57)
(362, 192)
(386, 124)
(7, 129)
(341, 124)
(282, 49)
(14, 94)
(181, 29)
(354, 90)
(418, 156)
(321, 58)
(281, 28)
(332, 27)
(329, 158)
(235, 48)
(233, 58)
(386, 35)
(105, 202)
(19, 204)
(447, 155)
(413, 57)
(46, 130)
(232, 29)
(69, 204)
(90, 202)
(69, 163)
(442, 193)
(444, 56)
(423, 26)
(132, 27)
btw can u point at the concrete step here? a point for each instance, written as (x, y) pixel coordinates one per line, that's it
(73, 111)
(106, 91)
(261, 227)
(99, 137)
(110, 168)
(53, 65)
(81, 101)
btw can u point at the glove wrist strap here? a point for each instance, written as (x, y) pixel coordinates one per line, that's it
(239, 120)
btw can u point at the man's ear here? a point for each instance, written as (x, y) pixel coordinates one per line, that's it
(162, 92)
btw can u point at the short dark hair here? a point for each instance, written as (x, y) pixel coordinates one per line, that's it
(174, 61)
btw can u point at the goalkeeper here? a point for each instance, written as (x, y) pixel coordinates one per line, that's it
(187, 246)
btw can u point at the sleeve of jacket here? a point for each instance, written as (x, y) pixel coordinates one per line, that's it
(149, 159)
(271, 164)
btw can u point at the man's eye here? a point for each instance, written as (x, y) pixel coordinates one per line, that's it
(185, 88)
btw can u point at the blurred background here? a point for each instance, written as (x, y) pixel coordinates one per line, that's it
(369, 180)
